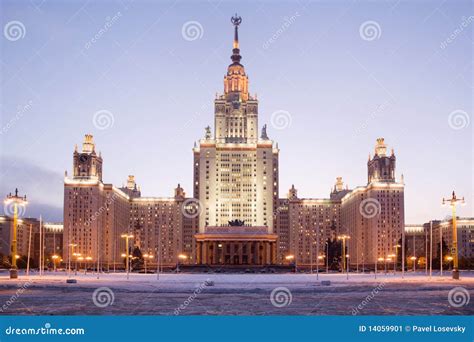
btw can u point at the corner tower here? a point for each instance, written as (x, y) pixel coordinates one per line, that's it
(87, 163)
(381, 168)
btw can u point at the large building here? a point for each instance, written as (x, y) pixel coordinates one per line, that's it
(236, 177)
(236, 216)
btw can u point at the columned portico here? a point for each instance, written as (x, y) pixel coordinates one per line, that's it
(236, 246)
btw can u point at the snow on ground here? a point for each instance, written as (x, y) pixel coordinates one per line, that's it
(236, 294)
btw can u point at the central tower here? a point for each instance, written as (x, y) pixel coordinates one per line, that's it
(235, 170)
(236, 112)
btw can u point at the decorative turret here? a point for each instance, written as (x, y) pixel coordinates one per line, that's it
(131, 189)
(179, 193)
(381, 168)
(338, 191)
(293, 193)
(87, 164)
(264, 135)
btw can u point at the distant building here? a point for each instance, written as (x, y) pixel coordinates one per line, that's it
(52, 240)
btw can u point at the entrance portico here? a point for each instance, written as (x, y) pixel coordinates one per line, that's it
(236, 246)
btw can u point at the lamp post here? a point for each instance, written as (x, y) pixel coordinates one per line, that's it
(127, 255)
(320, 257)
(54, 257)
(347, 266)
(413, 259)
(72, 245)
(394, 258)
(454, 250)
(88, 259)
(450, 259)
(145, 257)
(81, 259)
(344, 237)
(290, 258)
(431, 248)
(77, 255)
(327, 257)
(397, 246)
(376, 265)
(180, 257)
(16, 201)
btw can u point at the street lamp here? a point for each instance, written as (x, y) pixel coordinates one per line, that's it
(454, 251)
(394, 258)
(180, 257)
(344, 237)
(449, 258)
(54, 257)
(81, 259)
(327, 256)
(16, 201)
(127, 256)
(413, 259)
(376, 265)
(88, 259)
(290, 258)
(320, 257)
(72, 245)
(77, 255)
(347, 266)
(145, 257)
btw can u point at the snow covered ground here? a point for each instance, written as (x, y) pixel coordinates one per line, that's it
(237, 294)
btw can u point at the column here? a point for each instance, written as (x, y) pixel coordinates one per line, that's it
(214, 253)
(198, 252)
(259, 253)
(204, 252)
(241, 246)
(269, 252)
(231, 253)
(274, 253)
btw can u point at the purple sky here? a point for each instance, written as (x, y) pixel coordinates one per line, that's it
(411, 82)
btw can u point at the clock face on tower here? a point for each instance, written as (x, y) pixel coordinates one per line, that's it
(83, 158)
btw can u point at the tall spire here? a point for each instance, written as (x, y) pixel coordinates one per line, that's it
(236, 81)
(236, 21)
